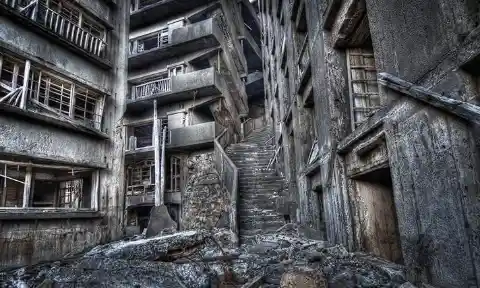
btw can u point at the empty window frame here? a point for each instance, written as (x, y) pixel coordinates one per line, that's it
(11, 74)
(12, 179)
(141, 177)
(70, 193)
(72, 100)
(363, 85)
(149, 42)
(143, 135)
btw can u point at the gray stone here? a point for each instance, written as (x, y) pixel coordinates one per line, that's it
(159, 220)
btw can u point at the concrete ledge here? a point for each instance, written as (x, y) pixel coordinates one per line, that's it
(46, 214)
(52, 121)
(372, 123)
(25, 21)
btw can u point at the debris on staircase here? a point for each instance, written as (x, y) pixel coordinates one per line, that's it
(206, 259)
(259, 186)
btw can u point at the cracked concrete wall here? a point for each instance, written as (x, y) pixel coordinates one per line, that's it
(429, 151)
(28, 242)
(203, 201)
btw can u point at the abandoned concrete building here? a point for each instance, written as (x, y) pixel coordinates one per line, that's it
(356, 119)
(374, 108)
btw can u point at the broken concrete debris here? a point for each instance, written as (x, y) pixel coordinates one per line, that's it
(204, 258)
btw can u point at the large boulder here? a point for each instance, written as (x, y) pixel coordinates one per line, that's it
(303, 278)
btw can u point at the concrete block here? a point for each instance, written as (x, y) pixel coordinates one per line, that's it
(159, 221)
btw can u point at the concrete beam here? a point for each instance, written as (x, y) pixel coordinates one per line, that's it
(459, 108)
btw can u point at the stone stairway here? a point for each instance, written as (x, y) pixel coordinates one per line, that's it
(258, 186)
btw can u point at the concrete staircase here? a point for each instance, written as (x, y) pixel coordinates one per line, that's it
(258, 186)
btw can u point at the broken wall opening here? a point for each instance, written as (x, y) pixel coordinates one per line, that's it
(377, 214)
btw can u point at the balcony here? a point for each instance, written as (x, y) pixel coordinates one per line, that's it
(59, 29)
(192, 137)
(204, 82)
(180, 41)
(144, 12)
(148, 199)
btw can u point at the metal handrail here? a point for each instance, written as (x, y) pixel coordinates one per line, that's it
(224, 159)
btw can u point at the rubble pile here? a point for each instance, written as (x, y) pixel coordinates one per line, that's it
(208, 259)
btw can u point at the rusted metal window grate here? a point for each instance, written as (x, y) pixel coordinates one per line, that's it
(363, 85)
(70, 193)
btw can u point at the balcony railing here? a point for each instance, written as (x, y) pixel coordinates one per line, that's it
(61, 26)
(152, 88)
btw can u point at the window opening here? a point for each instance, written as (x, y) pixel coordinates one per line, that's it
(364, 94)
(141, 177)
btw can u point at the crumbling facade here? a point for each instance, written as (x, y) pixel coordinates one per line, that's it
(105, 103)
(374, 108)
(188, 77)
(61, 101)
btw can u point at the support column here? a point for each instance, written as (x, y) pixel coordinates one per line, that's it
(4, 194)
(156, 145)
(27, 186)
(162, 167)
(26, 76)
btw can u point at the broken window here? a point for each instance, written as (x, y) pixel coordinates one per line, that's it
(11, 74)
(362, 77)
(143, 135)
(141, 177)
(176, 70)
(54, 187)
(65, 97)
(152, 41)
(12, 180)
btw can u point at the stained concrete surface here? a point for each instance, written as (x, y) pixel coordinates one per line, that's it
(204, 258)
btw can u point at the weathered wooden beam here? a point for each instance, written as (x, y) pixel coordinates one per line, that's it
(46, 166)
(459, 108)
(255, 282)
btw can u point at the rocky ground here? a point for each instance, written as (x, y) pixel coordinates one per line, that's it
(206, 259)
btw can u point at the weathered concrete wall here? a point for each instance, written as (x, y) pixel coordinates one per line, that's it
(428, 152)
(37, 140)
(38, 47)
(434, 164)
(25, 241)
(29, 242)
(203, 200)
